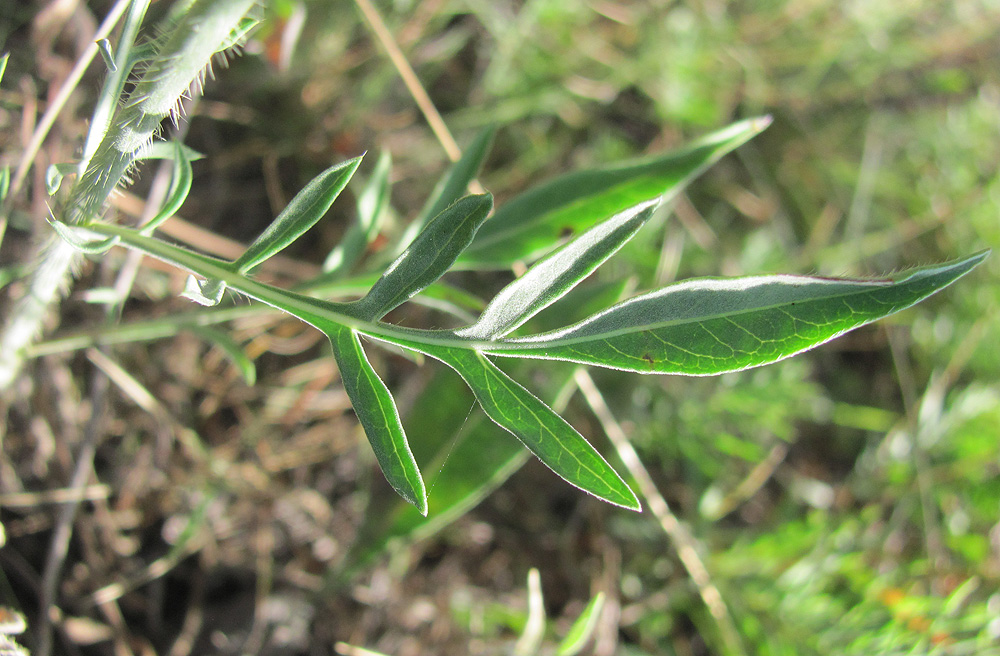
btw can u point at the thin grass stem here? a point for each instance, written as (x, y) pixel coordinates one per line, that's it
(684, 542)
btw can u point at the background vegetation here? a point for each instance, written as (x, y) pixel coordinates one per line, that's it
(844, 501)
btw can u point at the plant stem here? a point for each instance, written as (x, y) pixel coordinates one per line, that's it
(205, 29)
(46, 285)
(67, 88)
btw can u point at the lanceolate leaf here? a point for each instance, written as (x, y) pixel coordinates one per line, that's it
(308, 207)
(557, 273)
(377, 413)
(583, 628)
(371, 203)
(712, 326)
(529, 225)
(547, 435)
(428, 257)
(698, 327)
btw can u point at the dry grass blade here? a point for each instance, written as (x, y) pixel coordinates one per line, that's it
(685, 543)
(413, 85)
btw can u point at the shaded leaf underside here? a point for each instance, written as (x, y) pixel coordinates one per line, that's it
(547, 435)
(376, 411)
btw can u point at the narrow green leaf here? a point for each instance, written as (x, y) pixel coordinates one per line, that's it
(377, 413)
(553, 276)
(231, 348)
(82, 239)
(529, 225)
(547, 435)
(681, 329)
(372, 201)
(3, 64)
(712, 325)
(180, 184)
(583, 628)
(308, 207)
(429, 256)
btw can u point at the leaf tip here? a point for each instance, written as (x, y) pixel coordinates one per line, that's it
(632, 503)
(415, 496)
(82, 239)
(760, 123)
(622, 496)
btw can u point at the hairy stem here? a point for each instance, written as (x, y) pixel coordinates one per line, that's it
(183, 57)
(46, 285)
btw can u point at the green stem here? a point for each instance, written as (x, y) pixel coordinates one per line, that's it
(205, 29)
(312, 310)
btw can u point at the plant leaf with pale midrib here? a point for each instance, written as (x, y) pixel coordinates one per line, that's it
(703, 327)
(547, 435)
(712, 326)
(527, 226)
(468, 358)
(302, 212)
(557, 273)
(376, 410)
(429, 256)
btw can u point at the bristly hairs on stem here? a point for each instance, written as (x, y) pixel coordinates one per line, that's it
(182, 58)
(176, 69)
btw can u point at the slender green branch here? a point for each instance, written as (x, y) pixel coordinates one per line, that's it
(315, 311)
